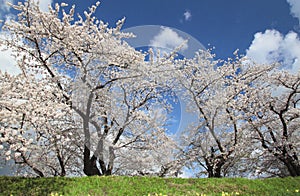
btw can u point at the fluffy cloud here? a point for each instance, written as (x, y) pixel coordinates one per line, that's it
(168, 38)
(3, 5)
(264, 46)
(271, 46)
(295, 8)
(187, 15)
(5, 8)
(8, 63)
(44, 4)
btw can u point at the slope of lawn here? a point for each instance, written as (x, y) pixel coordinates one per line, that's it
(120, 185)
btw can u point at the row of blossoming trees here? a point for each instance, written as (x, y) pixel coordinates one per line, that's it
(86, 102)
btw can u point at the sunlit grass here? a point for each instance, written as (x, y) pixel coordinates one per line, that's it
(148, 186)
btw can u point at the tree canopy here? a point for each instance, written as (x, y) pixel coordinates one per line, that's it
(87, 103)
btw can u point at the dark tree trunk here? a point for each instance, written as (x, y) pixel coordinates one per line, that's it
(90, 166)
(210, 171)
(61, 162)
(292, 166)
(218, 171)
(215, 171)
(290, 162)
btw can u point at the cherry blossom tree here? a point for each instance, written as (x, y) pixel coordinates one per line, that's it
(103, 99)
(29, 124)
(216, 91)
(86, 102)
(273, 119)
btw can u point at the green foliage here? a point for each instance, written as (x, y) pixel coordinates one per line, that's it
(116, 185)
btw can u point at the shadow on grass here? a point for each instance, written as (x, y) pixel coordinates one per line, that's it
(31, 186)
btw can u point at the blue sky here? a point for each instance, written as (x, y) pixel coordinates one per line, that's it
(226, 25)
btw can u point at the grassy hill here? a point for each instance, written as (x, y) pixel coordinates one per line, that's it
(117, 185)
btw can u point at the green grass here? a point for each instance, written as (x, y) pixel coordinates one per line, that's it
(117, 185)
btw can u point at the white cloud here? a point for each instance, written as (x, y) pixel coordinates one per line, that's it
(264, 45)
(295, 8)
(8, 63)
(44, 4)
(4, 7)
(187, 15)
(271, 46)
(168, 38)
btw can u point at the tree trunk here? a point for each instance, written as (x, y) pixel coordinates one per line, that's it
(61, 162)
(292, 166)
(210, 171)
(90, 166)
(111, 161)
(214, 171)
